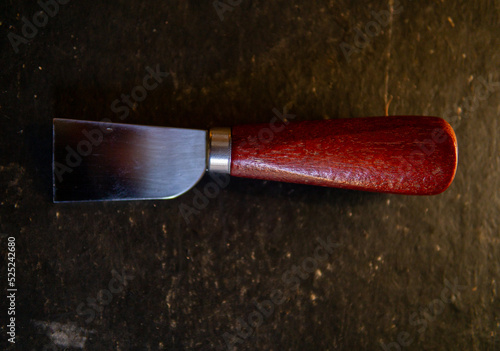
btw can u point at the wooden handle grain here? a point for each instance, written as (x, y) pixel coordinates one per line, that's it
(402, 155)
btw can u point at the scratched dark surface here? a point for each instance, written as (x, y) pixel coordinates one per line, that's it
(192, 284)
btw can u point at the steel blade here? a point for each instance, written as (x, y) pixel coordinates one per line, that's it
(96, 161)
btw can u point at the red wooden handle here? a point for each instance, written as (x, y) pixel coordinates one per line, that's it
(402, 155)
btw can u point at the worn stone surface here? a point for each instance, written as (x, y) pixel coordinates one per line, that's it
(189, 284)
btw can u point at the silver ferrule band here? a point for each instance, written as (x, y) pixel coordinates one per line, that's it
(219, 150)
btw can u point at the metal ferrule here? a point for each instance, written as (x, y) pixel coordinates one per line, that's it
(219, 150)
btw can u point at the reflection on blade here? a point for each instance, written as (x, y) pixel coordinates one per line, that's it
(96, 161)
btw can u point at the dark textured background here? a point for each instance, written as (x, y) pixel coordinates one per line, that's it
(194, 281)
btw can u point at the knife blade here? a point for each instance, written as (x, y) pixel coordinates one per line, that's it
(99, 161)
